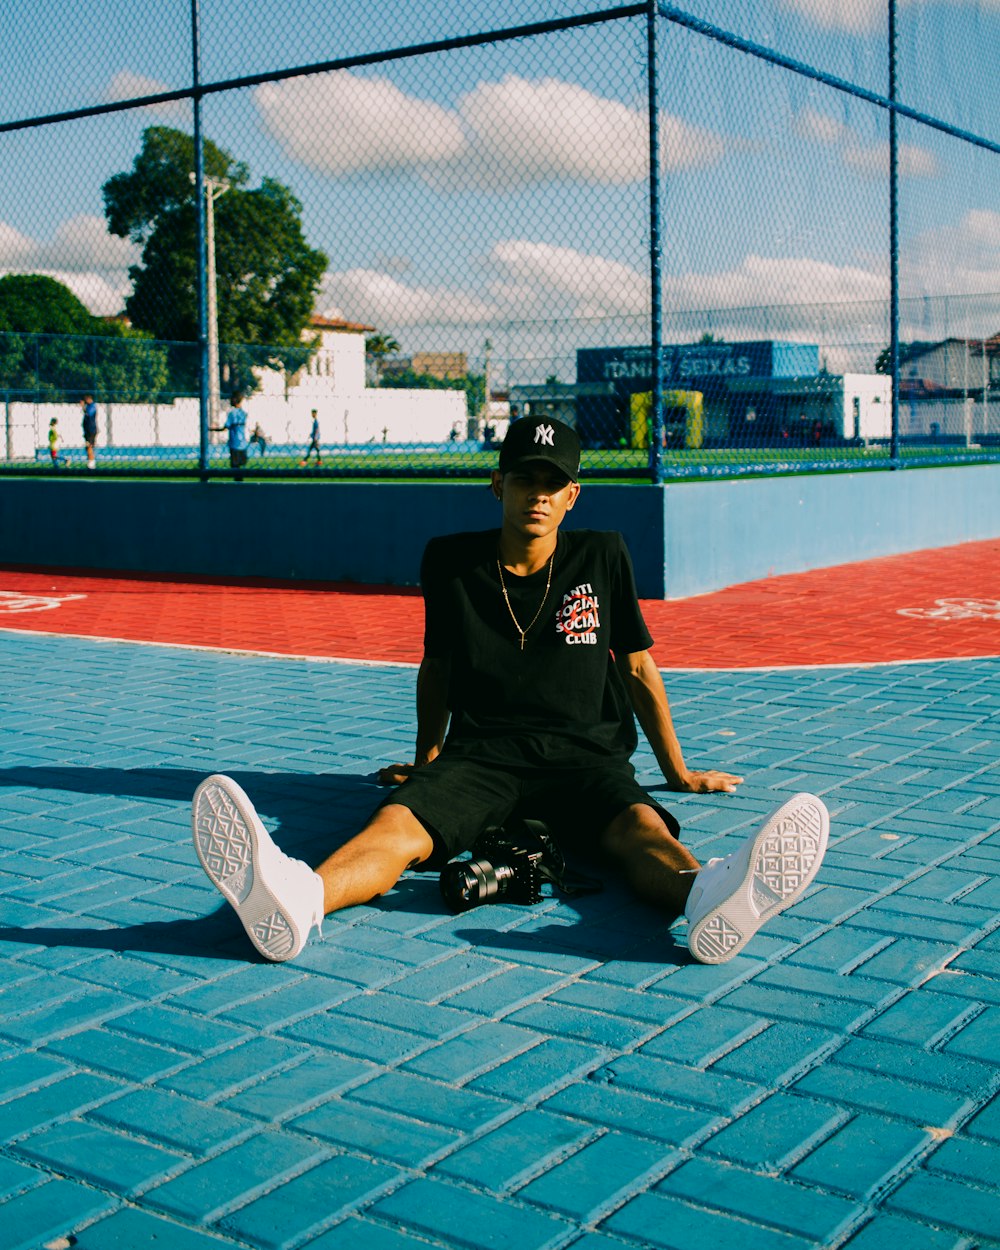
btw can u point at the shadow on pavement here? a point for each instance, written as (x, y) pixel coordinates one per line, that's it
(311, 815)
(201, 937)
(307, 806)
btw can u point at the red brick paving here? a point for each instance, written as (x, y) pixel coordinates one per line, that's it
(850, 614)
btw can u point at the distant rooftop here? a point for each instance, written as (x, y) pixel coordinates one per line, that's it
(338, 324)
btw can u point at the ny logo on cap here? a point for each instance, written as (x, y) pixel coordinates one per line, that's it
(545, 434)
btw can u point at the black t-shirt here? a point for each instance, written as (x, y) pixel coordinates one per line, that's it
(560, 701)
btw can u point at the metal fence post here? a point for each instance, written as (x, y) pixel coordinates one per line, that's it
(655, 251)
(201, 269)
(894, 459)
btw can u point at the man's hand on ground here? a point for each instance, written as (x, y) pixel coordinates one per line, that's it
(708, 782)
(394, 774)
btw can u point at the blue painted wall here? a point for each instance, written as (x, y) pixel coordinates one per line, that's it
(750, 529)
(685, 539)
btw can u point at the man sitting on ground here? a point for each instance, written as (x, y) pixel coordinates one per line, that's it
(535, 659)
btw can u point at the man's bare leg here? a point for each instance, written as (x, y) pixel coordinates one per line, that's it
(727, 900)
(372, 862)
(657, 867)
(280, 899)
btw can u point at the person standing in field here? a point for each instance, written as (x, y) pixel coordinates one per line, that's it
(236, 427)
(54, 442)
(313, 443)
(89, 429)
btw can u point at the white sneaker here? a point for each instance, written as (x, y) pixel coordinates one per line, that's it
(277, 898)
(732, 897)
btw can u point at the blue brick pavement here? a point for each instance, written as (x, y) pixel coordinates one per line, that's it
(522, 1078)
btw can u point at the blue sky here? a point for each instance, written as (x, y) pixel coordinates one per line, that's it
(506, 183)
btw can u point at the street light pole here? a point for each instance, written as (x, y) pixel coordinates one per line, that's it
(197, 178)
(215, 188)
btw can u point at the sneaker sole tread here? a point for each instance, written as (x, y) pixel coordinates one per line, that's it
(227, 844)
(783, 861)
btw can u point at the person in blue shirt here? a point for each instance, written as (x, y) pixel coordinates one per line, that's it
(236, 428)
(313, 443)
(89, 428)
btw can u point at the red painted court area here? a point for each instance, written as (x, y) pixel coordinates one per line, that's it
(938, 604)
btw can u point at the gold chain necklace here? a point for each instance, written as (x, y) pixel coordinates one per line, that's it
(506, 599)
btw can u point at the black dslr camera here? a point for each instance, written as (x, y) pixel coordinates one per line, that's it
(508, 865)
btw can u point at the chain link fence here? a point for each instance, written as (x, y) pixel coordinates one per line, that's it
(730, 238)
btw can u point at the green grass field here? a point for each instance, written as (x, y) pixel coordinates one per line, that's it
(605, 465)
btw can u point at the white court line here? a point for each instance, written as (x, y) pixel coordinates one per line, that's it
(336, 659)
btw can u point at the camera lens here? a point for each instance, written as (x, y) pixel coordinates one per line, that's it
(473, 882)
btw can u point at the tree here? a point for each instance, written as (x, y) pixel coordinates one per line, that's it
(33, 303)
(267, 275)
(377, 347)
(883, 362)
(36, 313)
(52, 347)
(129, 366)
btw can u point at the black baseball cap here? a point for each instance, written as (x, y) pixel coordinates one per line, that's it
(541, 439)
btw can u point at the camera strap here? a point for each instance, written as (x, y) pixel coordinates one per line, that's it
(552, 866)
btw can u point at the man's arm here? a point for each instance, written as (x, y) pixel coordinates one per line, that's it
(432, 720)
(652, 710)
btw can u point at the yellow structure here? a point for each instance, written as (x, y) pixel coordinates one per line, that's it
(683, 418)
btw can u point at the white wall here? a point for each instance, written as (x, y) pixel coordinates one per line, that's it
(26, 426)
(951, 416)
(369, 416)
(336, 369)
(874, 394)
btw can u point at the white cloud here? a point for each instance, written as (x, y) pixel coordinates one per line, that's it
(796, 298)
(821, 127)
(870, 160)
(82, 244)
(538, 279)
(126, 85)
(981, 226)
(367, 295)
(766, 280)
(855, 16)
(81, 255)
(687, 147)
(342, 123)
(15, 248)
(522, 132)
(530, 276)
(564, 282)
(962, 259)
(502, 135)
(860, 17)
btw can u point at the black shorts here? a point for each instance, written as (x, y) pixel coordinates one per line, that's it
(455, 799)
(237, 459)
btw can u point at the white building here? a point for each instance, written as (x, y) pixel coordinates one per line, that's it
(862, 406)
(350, 412)
(332, 382)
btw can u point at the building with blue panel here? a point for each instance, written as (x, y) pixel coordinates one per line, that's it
(754, 392)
